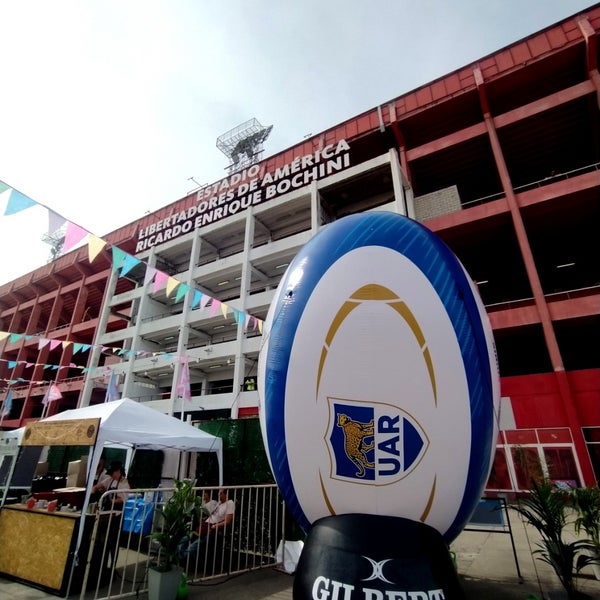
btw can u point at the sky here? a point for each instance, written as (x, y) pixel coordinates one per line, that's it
(110, 109)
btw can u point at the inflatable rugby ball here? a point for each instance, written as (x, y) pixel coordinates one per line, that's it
(378, 382)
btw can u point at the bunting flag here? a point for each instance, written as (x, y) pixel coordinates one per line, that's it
(55, 221)
(182, 290)
(122, 261)
(73, 235)
(118, 258)
(160, 280)
(95, 246)
(150, 273)
(7, 406)
(129, 263)
(112, 391)
(52, 394)
(183, 385)
(18, 202)
(197, 297)
(172, 283)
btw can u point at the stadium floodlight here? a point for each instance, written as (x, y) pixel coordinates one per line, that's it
(243, 145)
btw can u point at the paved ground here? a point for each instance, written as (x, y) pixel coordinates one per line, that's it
(485, 563)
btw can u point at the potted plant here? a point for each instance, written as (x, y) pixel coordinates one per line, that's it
(177, 516)
(546, 508)
(586, 501)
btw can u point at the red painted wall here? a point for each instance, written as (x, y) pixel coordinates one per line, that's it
(536, 399)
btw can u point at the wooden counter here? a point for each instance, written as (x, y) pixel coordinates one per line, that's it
(37, 547)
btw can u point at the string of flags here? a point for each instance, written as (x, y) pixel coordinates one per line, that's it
(124, 262)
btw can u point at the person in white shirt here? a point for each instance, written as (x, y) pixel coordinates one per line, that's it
(220, 516)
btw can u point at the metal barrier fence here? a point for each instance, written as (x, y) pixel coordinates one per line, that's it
(116, 550)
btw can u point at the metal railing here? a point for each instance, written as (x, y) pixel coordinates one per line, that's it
(116, 550)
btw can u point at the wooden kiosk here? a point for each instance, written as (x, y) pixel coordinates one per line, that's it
(48, 543)
(38, 546)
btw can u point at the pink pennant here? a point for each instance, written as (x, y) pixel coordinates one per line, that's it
(214, 306)
(74, 234)
(160, 280)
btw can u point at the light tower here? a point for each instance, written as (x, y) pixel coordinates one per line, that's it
(243, 145)
(56, 241)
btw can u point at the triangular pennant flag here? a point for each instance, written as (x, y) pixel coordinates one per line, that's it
(95, 246)
(118, 257)
(241, 317)
(129, 263)
(172, 283)
(18, 202)
(260, 325)
(204, 300)
(15, 337)
(43, 342)
(52, 394)
(224, 308)
(12, 364)
(182, 290)
(4, 335)
(197, 296)
(54, 344)
(4, 187)
(73, 235)
(85, 347)
(66, 344)
(77, 347)
(55, 221)
(213, 307)
(160, 280)
(183, 385)
(150, 273)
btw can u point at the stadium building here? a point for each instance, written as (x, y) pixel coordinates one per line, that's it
(501, 159)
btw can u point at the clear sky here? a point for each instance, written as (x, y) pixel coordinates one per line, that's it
(109, 107)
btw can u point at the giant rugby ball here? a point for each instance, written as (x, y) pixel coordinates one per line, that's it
(378, 381)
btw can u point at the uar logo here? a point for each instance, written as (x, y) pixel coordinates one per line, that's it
(372, 442)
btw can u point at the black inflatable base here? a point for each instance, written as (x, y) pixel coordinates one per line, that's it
(372, 557)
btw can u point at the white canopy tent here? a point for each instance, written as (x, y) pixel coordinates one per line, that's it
(131, 424)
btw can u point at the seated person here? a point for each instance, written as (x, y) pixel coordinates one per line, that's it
(208, 505)
(220, 515)
(114, 479)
